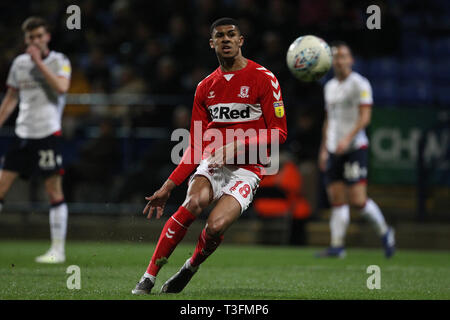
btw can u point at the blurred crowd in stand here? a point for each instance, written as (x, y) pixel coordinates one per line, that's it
(161, 48)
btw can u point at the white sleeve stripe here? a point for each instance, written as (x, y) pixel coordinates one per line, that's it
(277, 95)
(275, 84)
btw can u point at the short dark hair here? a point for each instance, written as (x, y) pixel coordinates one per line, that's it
(340, 43)
(32, 23)
(224, 22)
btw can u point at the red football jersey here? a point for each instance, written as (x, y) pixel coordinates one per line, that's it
(249, 98)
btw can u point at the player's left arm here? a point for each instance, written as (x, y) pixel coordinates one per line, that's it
(60, 81)
(272, 106)
(273, 110)
(364, 116)
(365, 112)
(8, 104)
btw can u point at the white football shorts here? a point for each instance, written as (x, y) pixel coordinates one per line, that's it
(233, 180)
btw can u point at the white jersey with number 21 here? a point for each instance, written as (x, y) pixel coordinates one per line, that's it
(40, 107)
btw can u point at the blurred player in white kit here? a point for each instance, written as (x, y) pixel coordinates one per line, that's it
(344, 152)
(39, 79)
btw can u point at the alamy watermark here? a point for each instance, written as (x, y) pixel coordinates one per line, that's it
(374, 281)
(374, 20)
(74, 280)
(232, 147)
(74, 20)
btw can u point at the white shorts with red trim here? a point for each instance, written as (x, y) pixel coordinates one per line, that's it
(233, 180)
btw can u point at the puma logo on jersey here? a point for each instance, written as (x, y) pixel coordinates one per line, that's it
(224, 112)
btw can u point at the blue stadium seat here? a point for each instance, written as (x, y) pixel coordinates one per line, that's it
(441, 47)
(441, 70)
(415, 93)
(385, 92)
(416, 69)
(360, 66)
(416, 45)
(382, 68)
(411, 21)
(442, 95)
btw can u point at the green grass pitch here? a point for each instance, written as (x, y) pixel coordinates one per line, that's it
(111, 270)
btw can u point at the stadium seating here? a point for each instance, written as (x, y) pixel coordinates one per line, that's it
(441, 92)
(415, 45)
(386, 67)
(360, 65)
(385, 92)
(415, 69)
(415, 93)
(441, 47)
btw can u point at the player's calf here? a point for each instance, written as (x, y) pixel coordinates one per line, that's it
(173, 232)
(53, 188)
(6, 180)
(206, 245)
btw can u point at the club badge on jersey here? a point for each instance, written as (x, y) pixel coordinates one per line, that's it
(244, 92)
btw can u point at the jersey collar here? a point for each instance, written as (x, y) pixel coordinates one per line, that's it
(249, 62)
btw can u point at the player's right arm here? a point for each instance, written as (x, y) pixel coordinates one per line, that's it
(323, 152)
(60, 82)
(158, 199)
(8, 105)
(189, 161)
(11, 98)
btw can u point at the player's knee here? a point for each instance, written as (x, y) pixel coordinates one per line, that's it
(6, 180)
(214, 230)
(336, 198)
(54, 193)
(338, 201)
(338, 204)
(3, 190)
(55, 196)
(358, 203)
(195, 204)
(216, 227)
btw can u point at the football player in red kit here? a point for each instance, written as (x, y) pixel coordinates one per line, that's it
(239, 96)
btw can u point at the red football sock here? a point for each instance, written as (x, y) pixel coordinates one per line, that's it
(172, 233)
(205, 247)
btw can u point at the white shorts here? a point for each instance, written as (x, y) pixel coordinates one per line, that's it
(235, 181)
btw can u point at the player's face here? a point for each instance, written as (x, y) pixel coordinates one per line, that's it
(227, 41)
(38, 37)
(342, 60)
